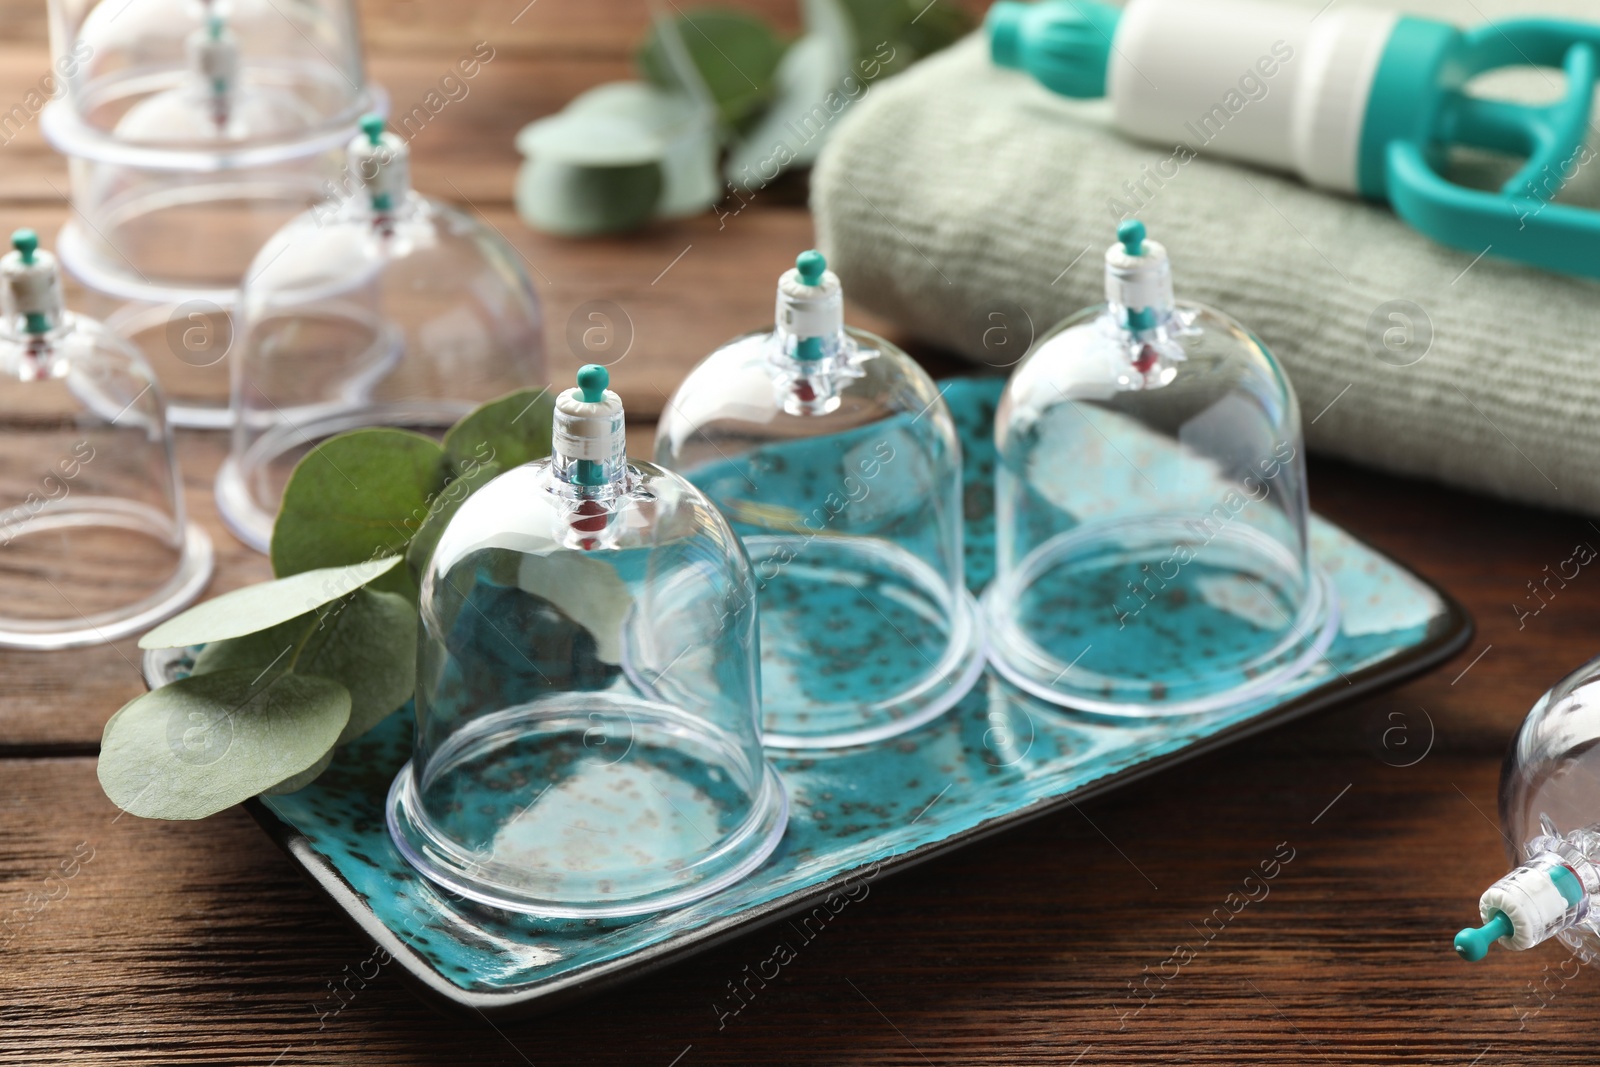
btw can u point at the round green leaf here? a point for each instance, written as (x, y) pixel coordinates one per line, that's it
(686, 126)
(368, 644)
(571, 201)
(734, 52)
(358, 496)
(207, 742)
(303, 779)
(809, 100)
(274, 650)
(261, 607)
(370, 649)
(591, 140)
(445, 505)
(507, 432)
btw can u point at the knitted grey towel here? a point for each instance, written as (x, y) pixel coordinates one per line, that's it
(971, 206)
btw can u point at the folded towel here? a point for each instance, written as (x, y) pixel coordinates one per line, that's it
(971, 206)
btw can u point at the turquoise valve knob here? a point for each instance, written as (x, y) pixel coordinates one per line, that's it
(593, 380)
(1132, 235)
(1472, 943)
(812, 265)
(26, 242)
(372, 126)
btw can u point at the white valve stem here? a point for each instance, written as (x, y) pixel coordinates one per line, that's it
(380, 162)
(32, 285)
(810, 309)
(589, 442)
(1139, 278)
(214, 56)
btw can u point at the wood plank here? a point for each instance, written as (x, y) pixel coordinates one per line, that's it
(607, 27)
(197, 943)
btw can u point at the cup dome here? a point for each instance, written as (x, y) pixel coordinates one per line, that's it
(835, 459)
(386, 308)
(588, 741)
(194, 130)
(1151, 509)
(92, 523)
(206, 74)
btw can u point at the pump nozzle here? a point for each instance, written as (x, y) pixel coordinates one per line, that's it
(1132, 235)
(1066, 45)
(812, 265)
(26, 242)
(1472, 943)
(1530, 905)
(810, 306)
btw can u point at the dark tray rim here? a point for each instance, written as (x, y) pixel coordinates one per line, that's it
(1452, 637)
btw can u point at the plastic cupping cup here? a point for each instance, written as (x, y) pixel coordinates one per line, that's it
(383, 308)
(835, 459)
(588, 742)
(1151, 508)
(194, 129)
(92, 527)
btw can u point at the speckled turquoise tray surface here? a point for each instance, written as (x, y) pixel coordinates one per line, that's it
(995, 759)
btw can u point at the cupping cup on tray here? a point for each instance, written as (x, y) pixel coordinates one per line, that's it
(588, 742)
(834, 458)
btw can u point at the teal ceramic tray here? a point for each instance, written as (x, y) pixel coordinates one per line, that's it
(996, 759)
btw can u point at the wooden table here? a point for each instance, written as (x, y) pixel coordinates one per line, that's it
(191, 943)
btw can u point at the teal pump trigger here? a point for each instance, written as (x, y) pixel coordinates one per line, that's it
(1356, 101)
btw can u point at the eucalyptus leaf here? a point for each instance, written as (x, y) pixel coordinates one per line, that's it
(373, 653)
(586, 590)
(261, 607)
(812, 93)
(303, 779)
(445, 505)
(358, 496)
(507, 432)
(367, 644)
(685, 127)
(939, 25)
(598, 141)
(735, 53)
(576, 201)
(207, 742)
(274, 650)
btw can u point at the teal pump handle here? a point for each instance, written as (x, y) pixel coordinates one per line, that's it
(1519, 221)
(1376, 115)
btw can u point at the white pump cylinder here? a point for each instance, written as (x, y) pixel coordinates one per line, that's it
(1264, 83)
(1142, 281)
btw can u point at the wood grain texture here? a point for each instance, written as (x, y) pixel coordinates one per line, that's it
(198, 943)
